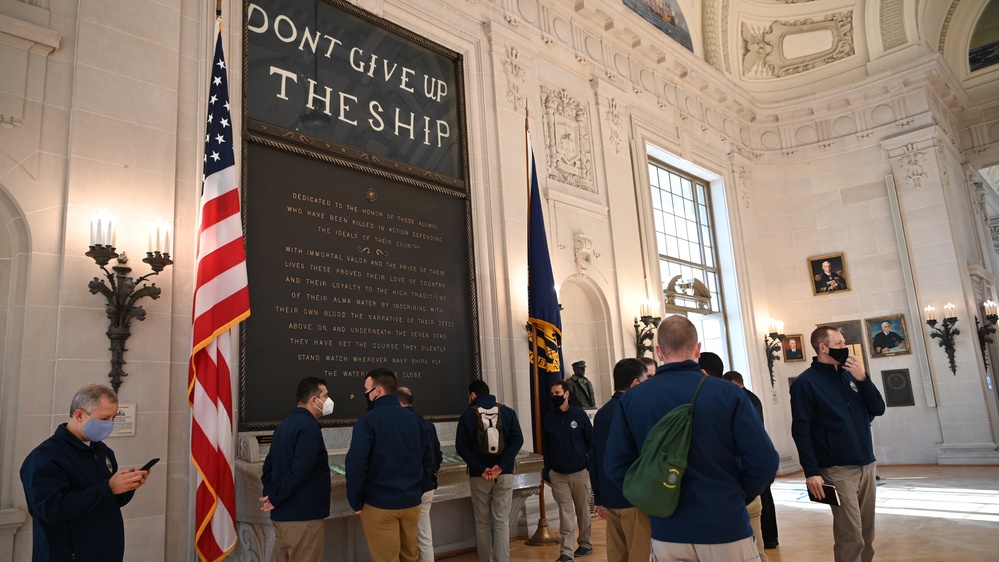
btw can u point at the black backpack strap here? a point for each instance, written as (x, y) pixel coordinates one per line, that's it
(694, 397)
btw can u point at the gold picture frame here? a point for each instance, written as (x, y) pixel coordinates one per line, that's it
(798, 354)
(826, 281)
(887, 336)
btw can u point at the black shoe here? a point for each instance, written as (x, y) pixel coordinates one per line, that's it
(768, 545)
(564, 558)
(583, 551)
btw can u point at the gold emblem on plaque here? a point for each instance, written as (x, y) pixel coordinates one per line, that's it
(370, 195)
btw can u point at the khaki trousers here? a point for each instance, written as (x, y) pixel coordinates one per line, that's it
(391, 533)
(491, 507)
(299, 541)
(572, 494)
(755, 509)
(424, 534)
(738, 551)
(853, 519)
(629, 535)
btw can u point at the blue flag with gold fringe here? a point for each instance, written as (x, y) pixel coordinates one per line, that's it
(544, 318)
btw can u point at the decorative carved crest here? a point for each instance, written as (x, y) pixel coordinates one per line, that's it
(568, 145)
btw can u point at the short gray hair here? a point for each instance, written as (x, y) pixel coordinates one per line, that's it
(89, 397)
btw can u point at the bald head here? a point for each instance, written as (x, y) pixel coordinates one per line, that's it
(677, 339)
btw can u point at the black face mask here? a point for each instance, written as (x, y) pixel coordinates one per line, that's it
(367, 396)
(839, 355)
(557, 401)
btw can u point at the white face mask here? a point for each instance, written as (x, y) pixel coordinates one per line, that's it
(328, 406)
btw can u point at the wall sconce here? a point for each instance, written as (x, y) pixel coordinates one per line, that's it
(771, 343)
(988, 329)
(645, 328)
(120, 291)
(946, 332)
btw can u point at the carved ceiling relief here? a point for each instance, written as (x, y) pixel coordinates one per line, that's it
(568, 145)
(515, 78)
(994, 229)
(764, 55)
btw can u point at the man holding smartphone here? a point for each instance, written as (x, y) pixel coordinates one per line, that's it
(73, 487)
(832, 406)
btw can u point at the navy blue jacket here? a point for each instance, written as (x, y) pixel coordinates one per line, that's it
(75, 516)
(296, 475)
(605, 491)
(731, 458)
(389, 463)
(435, 446)
(831, 414)
(565, 439)
(466, 437)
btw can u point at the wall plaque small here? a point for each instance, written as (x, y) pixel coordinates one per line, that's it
(898, 387)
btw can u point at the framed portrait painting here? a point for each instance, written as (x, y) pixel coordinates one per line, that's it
(794, 348)
(828, 274)
(854, 333)
(887, 336)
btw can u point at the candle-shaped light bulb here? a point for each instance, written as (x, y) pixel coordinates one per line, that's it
(991, 308)
(949, 310)
(93, 229)
(931, 313)
(780, 327)
(166, 239)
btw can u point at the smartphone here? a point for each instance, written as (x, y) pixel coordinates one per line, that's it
(150, 464)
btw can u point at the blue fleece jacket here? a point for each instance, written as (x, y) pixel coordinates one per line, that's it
(566, 437)
(435, 446)
(466, 436)
(75, 516)
(731, 459)
(831, 414)
(296, 473)
(389, 463)
(605, 491)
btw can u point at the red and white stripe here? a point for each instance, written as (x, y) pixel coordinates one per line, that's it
(221, 301)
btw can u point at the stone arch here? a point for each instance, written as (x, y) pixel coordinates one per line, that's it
(15, 249)
(586, 333)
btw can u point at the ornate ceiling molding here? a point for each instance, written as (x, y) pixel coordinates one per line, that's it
(765, 54)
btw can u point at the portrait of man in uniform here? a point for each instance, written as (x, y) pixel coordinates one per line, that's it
(888, 336)
(828, 274)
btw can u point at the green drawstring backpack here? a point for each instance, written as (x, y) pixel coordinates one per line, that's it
(653, 481)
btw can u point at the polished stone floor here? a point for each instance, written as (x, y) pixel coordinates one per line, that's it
(924, 514)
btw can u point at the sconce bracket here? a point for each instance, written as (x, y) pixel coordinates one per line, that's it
(771, 344)
(121, 295)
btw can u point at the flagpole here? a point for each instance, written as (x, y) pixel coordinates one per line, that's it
(542, 535)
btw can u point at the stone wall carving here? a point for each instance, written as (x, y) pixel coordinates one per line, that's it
(568, 145)
(912, 166)
(614, 120)
(515, 77)
(582, 247)
(764, 57)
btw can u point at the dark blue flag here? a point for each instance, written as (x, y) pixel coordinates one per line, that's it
(544, 318)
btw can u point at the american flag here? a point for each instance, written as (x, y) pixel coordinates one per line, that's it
(221, 300)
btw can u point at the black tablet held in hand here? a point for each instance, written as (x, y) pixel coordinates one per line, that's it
(832, 496)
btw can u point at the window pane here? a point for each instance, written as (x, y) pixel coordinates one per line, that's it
(672, 248)
(688, 192)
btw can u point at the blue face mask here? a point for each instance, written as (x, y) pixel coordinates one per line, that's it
(98, 430)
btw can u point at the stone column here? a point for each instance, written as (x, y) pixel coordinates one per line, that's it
(937, 214)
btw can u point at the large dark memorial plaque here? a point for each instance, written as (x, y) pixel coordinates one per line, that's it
(358, 222)
(348, 272)
(329, 70)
